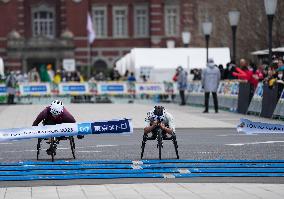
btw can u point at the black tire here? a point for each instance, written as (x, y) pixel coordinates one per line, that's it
(176, 145)
(52, 148)
(38, 148)
(72, 145)
(160, 143)
(143, 146)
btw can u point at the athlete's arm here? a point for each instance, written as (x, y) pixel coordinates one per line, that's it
(40, 117)
(150, 127)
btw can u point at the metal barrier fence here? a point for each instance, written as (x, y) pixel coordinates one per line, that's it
(228, 92)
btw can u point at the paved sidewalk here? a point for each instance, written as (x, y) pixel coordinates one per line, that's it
(185, 116)
(148, 190)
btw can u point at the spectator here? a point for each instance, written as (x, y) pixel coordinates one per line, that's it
(126, 75)
(57, 77)
(11, 83)
(33, 75)
(210, 81)
(131, 77)
(50, 72)
(230, 68)
(181, 83)
(144, 78)
(196, 74)
(44, 77)
(114, 74)
(100, 76)
(251, 73)
(222, 71)
(272, 75)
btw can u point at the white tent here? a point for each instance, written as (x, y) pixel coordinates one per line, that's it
(161, 63)
(266, 52)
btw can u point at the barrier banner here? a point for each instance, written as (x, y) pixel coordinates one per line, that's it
(68, 129)
(250, 127)
(73, 88)
(150, 88)
(112, 88)
(36, 89)
(3, 90)
(195, 87)
(228, 88)
(171, 88)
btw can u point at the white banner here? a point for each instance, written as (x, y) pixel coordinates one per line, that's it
(112, 88)
(36, 89)
(150, 88)
(250, 127)
(73, 88)
(118, 126)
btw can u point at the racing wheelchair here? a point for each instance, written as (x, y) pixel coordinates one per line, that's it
(53, 142)
(159, 136)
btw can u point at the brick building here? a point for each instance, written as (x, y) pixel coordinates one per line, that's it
(34, 32)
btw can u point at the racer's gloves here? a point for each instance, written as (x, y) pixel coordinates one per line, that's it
(80, 136)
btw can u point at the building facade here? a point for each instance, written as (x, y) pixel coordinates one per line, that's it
(34, 32)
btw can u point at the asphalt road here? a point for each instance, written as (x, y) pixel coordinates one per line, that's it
(193, 144)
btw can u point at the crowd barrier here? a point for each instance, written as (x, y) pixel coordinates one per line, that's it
(233, 95)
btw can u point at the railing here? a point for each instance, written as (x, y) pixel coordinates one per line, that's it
(228, 93)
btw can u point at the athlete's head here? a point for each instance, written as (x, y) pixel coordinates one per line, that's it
(56, 107)
(159, 112)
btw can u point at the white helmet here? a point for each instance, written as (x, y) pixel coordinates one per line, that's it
(56, 107)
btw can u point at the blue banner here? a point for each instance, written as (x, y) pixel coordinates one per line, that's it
(35, 89)
(3, 90)
(112, 88)
(114, 126)
(73, 88)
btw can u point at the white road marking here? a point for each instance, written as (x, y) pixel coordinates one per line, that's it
(253, 143)
(4, 143)
(237, 134)
(88, 151)
(105, 145)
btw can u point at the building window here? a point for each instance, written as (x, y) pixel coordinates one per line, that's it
(100, 21)
(141, 22)
(43, 21)
(171, 20)
(120, 22)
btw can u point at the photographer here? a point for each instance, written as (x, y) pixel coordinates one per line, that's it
(159, 118)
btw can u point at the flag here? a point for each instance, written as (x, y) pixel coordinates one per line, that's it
(90, 29)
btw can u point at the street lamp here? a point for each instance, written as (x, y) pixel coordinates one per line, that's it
(234, 17)
(270, 8)
(185, 38)
(207, 29)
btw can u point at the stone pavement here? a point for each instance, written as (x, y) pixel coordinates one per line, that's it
(148, 190)
(185, 116)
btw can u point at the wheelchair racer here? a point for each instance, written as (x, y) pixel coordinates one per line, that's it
(159, 118)
(54, 114)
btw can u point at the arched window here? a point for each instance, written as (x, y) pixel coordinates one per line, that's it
(43, 21)
(100, 66)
